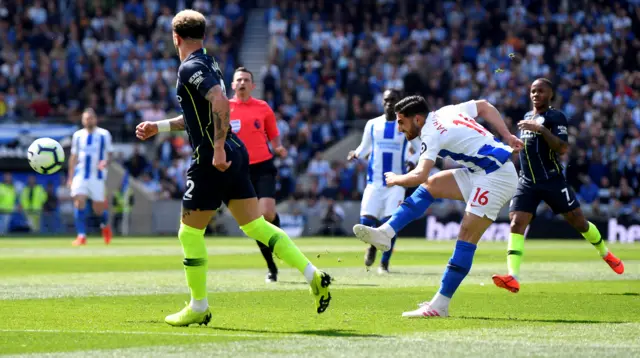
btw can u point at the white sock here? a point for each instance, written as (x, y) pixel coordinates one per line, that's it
(387, 230)
(440, 302)
(199, 305)
(309, 272)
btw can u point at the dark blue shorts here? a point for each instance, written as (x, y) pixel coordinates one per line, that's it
(554, 191)
(207, 187)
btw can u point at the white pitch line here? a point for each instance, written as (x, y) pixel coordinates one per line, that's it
(150, 333)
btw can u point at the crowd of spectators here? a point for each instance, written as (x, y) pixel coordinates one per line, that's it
(57, 57)
(337, 57)
(328, 64)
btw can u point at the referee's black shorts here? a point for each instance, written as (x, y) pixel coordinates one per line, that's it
(263, 177)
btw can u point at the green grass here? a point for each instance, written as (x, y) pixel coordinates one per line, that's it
(111, 301)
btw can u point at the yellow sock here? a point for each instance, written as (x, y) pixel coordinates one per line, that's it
(195, 260)
(593, 236)
(278, 242)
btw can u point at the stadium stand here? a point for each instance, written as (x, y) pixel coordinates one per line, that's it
(327, 65)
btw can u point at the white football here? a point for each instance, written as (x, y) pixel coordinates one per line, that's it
(45, 156)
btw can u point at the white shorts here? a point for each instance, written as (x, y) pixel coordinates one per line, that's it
(381, 202)
(486, 194)
(94, 189)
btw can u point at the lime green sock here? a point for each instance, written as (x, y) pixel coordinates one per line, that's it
(195, 260)
(514, 253)
(593, 236)
(278, 241)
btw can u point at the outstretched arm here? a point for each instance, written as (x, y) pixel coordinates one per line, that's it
(487, 111)
(220, 106)
(146, 130)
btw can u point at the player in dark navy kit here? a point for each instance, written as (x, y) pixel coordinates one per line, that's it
(544, 132)
(219, 173)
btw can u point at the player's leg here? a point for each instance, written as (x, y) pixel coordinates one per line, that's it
(488, 195)
(394, 198)
(591, 233)
(370, 209)
(191, 235)
(264, 182)
(101, 208)
(268, 210)
(441, 185)
(521, 212)
(80, 219)
(247, 214)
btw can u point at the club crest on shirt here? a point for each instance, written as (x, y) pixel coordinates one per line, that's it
(256, 123)
(540, 119)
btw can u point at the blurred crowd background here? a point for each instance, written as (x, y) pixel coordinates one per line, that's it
(328, 64)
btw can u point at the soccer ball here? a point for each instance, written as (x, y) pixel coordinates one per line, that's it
(45, 156)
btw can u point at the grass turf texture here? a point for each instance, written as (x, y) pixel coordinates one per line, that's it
(111, 301)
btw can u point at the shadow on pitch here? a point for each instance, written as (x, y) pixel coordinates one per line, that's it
(569, 321)
(314, 332)
(622, 294)
(334, 282)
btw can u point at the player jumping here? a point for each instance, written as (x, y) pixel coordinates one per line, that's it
(387, 149)
(219, 173)
(90, 155)
(544, 130)
(253, 121)
(486, 183)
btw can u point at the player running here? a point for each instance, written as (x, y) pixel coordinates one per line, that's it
(219, 173)
(387, 149)
(253, 121)
(90, 156)
(486, 182)
(544, 130)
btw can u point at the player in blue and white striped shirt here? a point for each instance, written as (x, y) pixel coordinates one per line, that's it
(388, 151)
(90, 154)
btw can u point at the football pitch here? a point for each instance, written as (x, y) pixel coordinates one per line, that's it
(59, 301)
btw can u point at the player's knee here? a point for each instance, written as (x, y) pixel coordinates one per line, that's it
(518, 225)
(98, 206)
(79, 203)
(577, 221)
(468, 235)
(269, 215)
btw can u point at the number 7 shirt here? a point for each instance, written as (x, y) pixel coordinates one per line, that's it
(453, 132)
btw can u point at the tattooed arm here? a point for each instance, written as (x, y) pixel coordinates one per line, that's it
(177, 123)
(220, 106)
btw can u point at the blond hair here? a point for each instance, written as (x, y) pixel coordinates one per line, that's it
(189, 24)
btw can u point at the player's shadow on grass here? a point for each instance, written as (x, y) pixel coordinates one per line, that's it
(409, 273)
(299, 283)
(314, 332)
(569, 321)
(622, 294)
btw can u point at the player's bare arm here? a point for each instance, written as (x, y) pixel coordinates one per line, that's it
(146, 130)
(105, 162)
(221, 125)
(73, 160)
(280, 150)
(555, 143)
(487, 111)
(415, 177)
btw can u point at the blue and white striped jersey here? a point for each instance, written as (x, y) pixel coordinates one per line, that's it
(453, 132)
(91, 148)
(388, 150)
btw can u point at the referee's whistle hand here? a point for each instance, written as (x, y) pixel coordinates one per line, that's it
(281, 151)
(146, 130)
